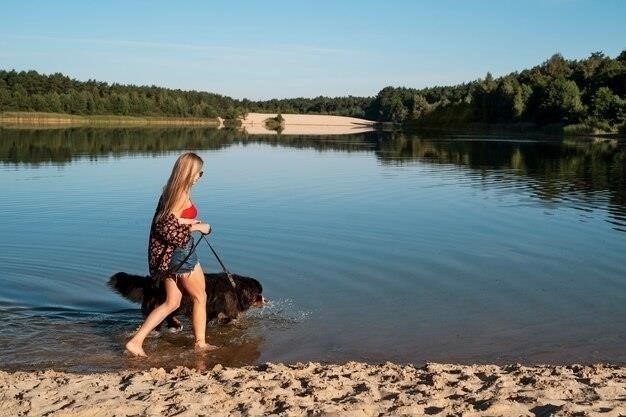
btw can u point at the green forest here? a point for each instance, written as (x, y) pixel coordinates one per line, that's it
(587, 96)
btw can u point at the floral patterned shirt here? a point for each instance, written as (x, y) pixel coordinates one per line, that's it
(165, 236)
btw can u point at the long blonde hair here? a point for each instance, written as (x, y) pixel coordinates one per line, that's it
(185, 169)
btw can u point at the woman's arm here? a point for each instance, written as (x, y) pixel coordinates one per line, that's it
(196, 225)
(183, 220)
(172, 231)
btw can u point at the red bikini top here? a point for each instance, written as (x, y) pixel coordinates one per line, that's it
(190, 212)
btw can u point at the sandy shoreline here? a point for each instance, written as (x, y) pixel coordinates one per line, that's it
(351, 389)
(307, 124)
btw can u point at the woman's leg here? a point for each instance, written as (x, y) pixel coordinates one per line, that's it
(194, 285)
(172, 302)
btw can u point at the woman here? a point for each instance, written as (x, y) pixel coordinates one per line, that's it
(169, 257)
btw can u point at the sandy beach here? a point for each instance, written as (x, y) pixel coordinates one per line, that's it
(307, 389)
(307, 124)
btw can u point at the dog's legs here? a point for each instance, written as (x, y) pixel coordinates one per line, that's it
(173, 323)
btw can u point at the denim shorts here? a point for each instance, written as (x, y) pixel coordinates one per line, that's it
(181, 253)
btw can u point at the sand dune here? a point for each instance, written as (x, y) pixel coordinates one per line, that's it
(307, 124)
(352, 389)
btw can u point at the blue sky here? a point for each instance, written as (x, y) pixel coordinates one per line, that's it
(278, 49)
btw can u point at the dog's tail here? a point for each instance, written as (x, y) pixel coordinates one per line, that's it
(129, 286)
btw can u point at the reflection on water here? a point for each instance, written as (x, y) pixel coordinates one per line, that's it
(584, 170)
(378, 246)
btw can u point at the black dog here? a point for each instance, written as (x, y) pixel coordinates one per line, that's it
(226, 297)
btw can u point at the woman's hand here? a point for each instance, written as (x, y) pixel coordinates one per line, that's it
(203, 228)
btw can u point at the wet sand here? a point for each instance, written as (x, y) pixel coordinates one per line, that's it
(307, 124)
(351, 389)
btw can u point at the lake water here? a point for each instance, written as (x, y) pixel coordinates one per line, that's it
(453, 247)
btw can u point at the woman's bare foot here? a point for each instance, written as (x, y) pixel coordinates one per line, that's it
(203, 347)
(135, 349)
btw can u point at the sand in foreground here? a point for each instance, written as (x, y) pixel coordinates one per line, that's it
(352, 389)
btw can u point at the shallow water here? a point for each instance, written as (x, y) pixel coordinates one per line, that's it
(429, 247)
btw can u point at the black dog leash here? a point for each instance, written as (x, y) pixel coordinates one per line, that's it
(228, 274)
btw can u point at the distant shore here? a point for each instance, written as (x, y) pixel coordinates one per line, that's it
(351, 389)
(252, 123)
(293, 124)
(36, 119)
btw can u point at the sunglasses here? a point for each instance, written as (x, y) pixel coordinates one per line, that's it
(200, 174)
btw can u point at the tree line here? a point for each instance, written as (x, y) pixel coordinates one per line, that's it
(589, 92)
(57, 93)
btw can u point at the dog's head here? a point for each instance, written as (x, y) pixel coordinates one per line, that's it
(231, 295)
(250, 292)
